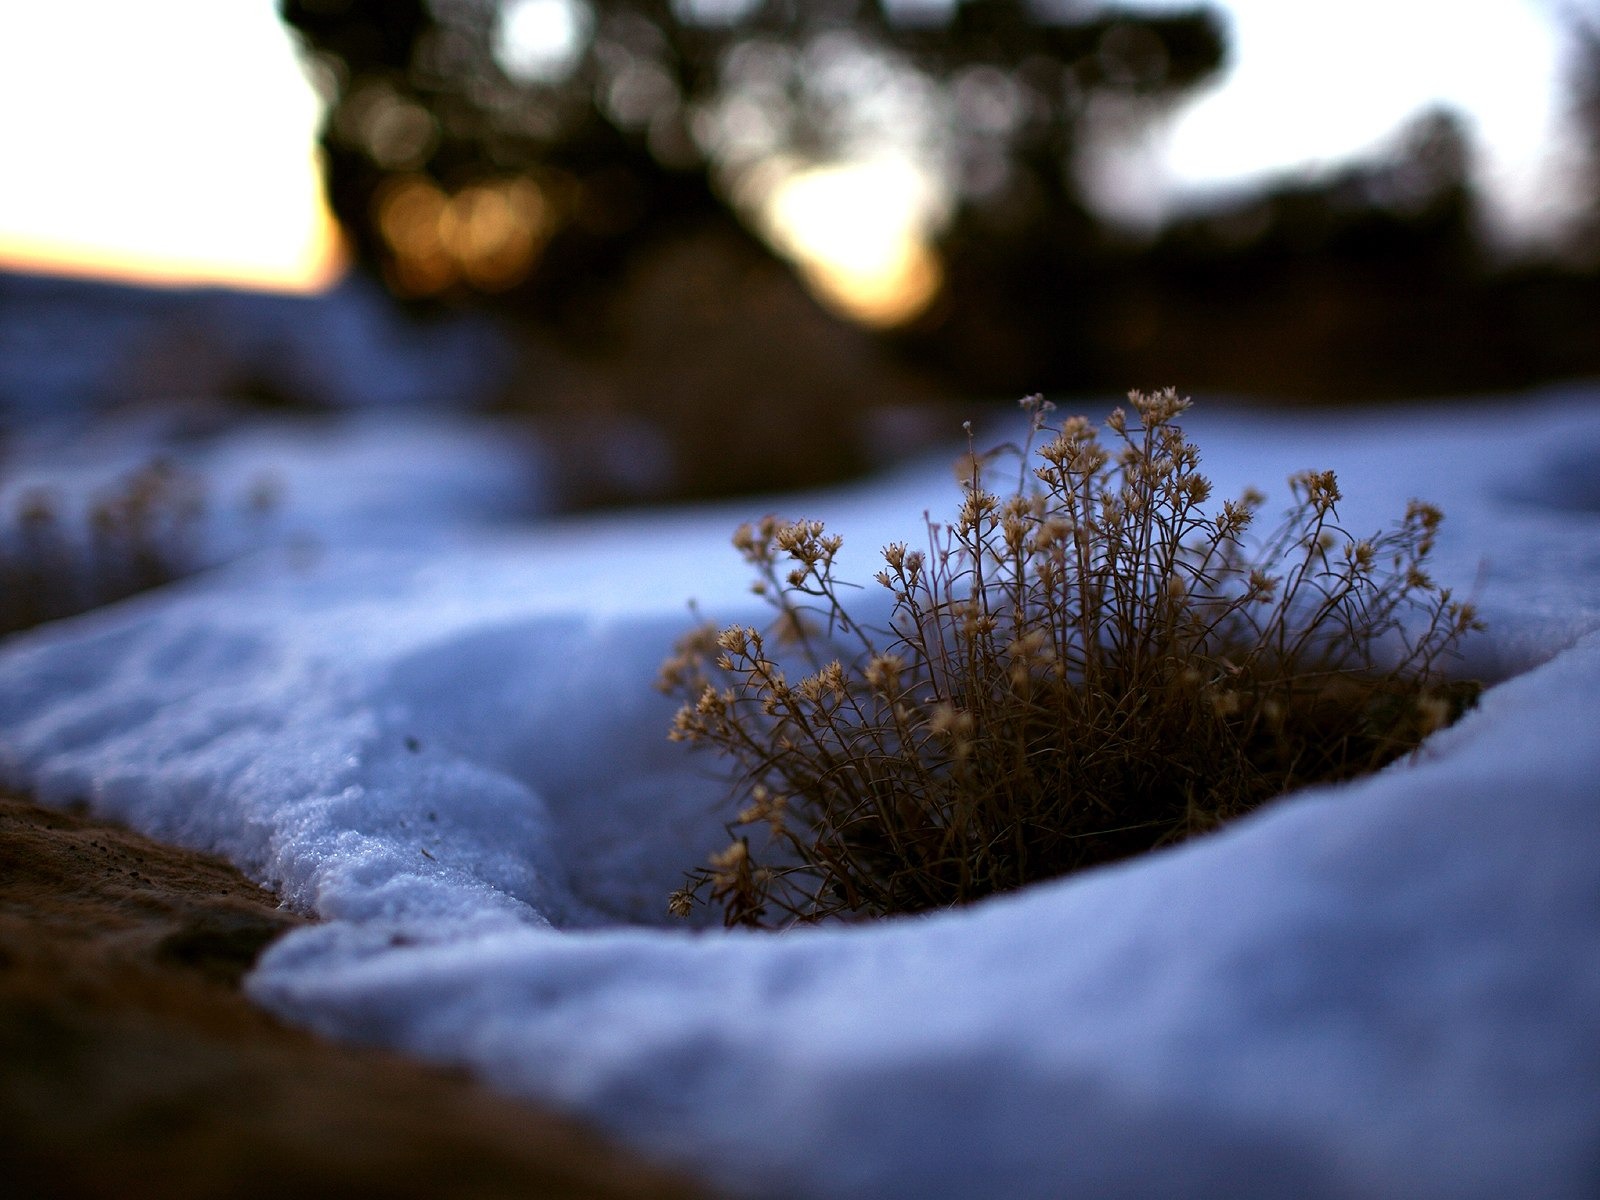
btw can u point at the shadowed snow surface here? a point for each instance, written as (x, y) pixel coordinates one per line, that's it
(452, 752)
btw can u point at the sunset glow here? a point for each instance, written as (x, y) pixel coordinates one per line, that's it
(859, 234)
(169, 142)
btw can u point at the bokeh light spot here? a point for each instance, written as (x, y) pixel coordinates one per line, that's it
(542, 41)
(858, 232)
(488, 235)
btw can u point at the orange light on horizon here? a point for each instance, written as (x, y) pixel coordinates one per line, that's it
(170, 143)
(314, 265)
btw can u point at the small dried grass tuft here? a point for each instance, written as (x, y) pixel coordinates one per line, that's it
(57, 561)
(1086, 666)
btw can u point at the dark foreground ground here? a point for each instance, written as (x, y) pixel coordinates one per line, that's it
(130, 1065)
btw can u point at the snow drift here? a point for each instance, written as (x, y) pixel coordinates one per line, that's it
(445, 743)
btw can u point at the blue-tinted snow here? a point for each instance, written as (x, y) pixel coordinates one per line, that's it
(452, 752)
(70, 348)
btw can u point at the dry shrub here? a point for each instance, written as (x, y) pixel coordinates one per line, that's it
(1083, 668)
(138, 534)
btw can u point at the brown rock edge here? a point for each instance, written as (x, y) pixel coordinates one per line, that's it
(131, 1065)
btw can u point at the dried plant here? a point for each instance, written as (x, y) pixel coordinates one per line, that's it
(1084, 668)
(138, 534)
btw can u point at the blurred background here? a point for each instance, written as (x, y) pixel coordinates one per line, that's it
(704, 247)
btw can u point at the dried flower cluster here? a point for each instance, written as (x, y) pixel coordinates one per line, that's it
(1086, 667)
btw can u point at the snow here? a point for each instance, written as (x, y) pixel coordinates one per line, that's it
(73, 348)
(332, 480)
(440, 736)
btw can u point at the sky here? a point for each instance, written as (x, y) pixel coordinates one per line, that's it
(1309, 85)
(174, 140)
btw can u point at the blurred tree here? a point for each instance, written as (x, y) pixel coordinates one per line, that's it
(604, 123)
(605, 170)
(1365, 281)
(1586, 94)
